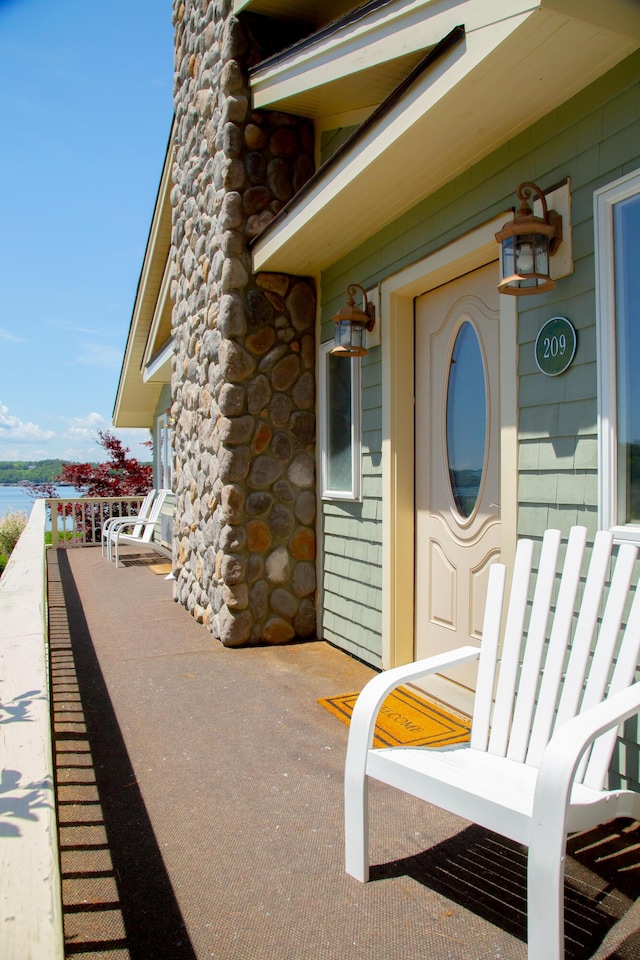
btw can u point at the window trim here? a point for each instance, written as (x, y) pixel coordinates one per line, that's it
(326, 493)
(605, 199)
(164, 453)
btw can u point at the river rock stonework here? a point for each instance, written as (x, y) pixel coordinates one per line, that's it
(243, 383)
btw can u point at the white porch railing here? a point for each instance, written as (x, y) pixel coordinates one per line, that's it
(77, 521)
(30, 897)
(31, 926)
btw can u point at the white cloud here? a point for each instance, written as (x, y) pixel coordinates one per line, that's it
(99, 355)
(136, 438)
(67, 325)
(14, 430)
(25, 453)
(11, 337)
(82, 434)
(75, 440)
(85, 428)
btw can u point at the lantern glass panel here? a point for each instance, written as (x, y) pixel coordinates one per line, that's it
(508, 257)
(542, 255)
(349, 334)
(525, 255)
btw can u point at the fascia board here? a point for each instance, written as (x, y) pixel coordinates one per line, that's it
(163, 295)
(158, 368)
(310, 11)
(147, 291)
(384, 35)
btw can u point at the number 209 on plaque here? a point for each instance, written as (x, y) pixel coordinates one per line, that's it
(555, 346)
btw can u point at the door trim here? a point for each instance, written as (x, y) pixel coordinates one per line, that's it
(397, 294)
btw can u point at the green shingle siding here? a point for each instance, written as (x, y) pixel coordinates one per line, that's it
(593, 139)
(332, 140)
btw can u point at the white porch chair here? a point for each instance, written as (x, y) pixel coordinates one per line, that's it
(142, 532)
(541, 739)
(112, 522)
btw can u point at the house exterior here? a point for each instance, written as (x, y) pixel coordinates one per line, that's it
(321, 145)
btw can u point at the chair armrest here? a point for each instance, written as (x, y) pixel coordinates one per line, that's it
(134, 522)
(126, 522)
(564, 751)
(114, 522)
(376, 691)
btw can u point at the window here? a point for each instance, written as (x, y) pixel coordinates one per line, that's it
(164, 454)
(466, 420)
(339, 425)
(617, 213)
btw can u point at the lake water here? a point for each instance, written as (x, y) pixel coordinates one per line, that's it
(14, 498)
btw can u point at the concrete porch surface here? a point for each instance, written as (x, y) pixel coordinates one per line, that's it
(200, 806)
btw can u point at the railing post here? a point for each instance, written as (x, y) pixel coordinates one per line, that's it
(54, 522)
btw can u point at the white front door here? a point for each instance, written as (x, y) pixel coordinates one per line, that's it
(457, 458)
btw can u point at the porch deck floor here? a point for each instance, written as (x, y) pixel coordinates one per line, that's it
(200, 805)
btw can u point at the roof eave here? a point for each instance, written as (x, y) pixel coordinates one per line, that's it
(135, 401)
(468, 104)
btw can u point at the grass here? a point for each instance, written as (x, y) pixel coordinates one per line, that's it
(67, 535)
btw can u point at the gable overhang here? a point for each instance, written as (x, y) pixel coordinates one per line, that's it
(358, 60)
(505, 73)
(158, 368)
(351, 64)
(303, 11)
(142, 376)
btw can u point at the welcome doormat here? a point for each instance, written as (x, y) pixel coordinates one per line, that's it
(405, 719)
(160, 568)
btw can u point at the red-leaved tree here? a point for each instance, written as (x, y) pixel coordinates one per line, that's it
(120, 476)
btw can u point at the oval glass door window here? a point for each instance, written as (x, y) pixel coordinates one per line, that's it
(466, 420)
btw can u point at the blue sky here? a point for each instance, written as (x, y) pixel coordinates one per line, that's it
(85, 107)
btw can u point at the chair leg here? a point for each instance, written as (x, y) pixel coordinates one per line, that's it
(356, 828)
(545, 900)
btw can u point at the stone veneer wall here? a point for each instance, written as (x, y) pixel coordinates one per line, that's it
(243, 380)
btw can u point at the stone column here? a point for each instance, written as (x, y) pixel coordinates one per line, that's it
(243, 378)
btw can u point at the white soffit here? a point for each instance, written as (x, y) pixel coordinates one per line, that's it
(359, 63)
(316, 12)
(158, 368)
(160, 329)
(467, 104)
(316, 94)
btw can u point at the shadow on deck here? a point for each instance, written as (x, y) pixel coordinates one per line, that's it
(200, 808)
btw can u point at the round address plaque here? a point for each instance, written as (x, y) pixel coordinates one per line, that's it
(555, 346)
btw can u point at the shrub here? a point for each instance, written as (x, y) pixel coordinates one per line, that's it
(11, 526)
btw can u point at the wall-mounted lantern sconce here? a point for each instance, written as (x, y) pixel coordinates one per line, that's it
(351, 323)
(528, 242)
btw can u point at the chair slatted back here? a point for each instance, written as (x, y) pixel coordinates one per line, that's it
(558, 664)
(150, 523)
(143, 512)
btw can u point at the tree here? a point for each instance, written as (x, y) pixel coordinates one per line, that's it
(120, 476)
